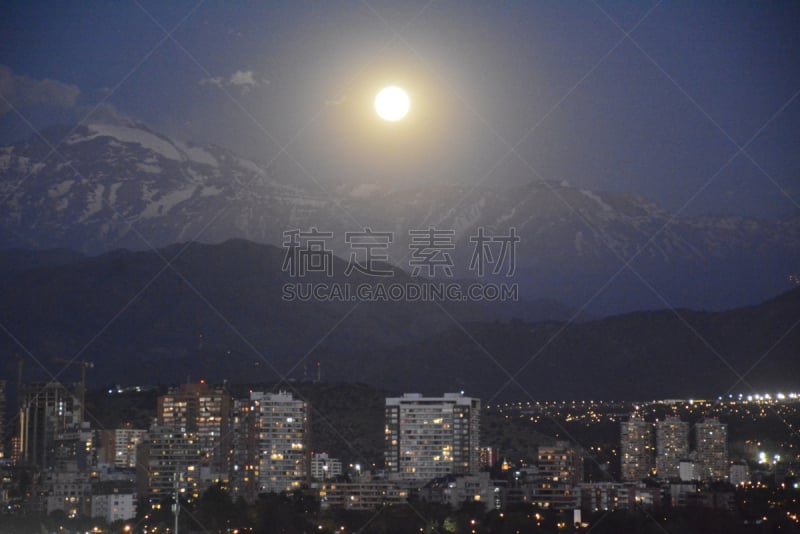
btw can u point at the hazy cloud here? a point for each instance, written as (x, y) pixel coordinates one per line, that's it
(218, 81)
(244, 80)
(335, 101)
(21, 92)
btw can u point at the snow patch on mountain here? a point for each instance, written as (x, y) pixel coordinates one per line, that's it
(197, 154)
(112, 193)
(60, 189)
(197, 177)
(147, 193)
(22, 163)
(201, 156)
(94, 202)
(150, 169)
(210, 191)
(250, 166)
(164, 204)
(600, 202)
(137, 136)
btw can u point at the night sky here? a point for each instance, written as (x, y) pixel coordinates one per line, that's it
(655, 99)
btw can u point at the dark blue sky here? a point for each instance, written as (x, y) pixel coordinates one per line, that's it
(659, 114)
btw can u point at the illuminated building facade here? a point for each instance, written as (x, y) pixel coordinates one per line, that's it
(204, 411)
(430, 437)
(113, 501)
(170, 452)
(325, 468)
(118, 446)
(490, 456)
(672, 446)
(712, 449)
(282, 426)
(67, 489)
(245, 456)
(561, 463)
(636, 449)
(361, 495)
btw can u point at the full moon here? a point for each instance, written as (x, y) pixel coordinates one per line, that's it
(392, 104)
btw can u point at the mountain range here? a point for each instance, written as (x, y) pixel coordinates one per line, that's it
(192, 311)
(115, 186)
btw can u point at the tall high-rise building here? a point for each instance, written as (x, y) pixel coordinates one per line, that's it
(712, 449)
(430, 437)
(283, 431)
(245, 456)
(672, 446)
(636, 449)
(202, 410)
(170, 453)
(46, 410)
(562, 463)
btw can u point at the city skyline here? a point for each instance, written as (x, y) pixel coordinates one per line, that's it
(84, 474)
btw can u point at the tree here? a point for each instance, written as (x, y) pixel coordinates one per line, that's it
(215, 509)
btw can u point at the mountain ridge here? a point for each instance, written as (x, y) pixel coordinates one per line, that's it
(124, 186)
(220, 314)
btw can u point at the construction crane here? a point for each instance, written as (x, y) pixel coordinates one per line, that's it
(83, 364)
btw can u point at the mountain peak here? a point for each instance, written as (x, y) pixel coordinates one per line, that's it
(119, 184)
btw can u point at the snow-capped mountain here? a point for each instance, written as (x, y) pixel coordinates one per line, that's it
(111, 186)
(122, 185)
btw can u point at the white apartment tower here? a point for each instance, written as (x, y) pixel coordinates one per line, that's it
(672, 446)
(430, 437)
(636, 451)
(712, 449)
(282, 431)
